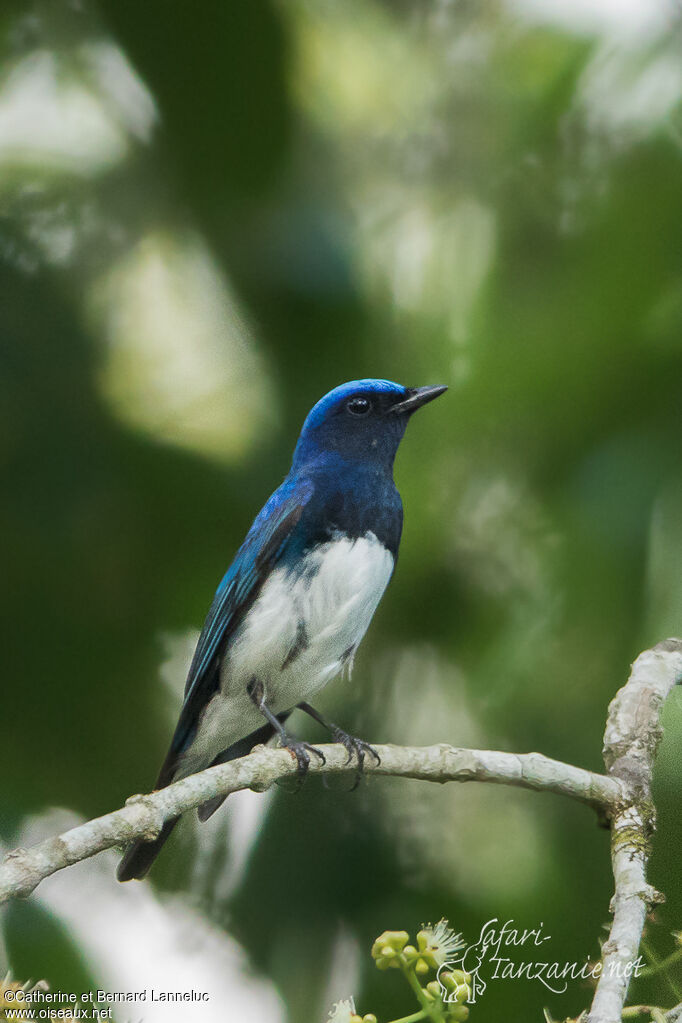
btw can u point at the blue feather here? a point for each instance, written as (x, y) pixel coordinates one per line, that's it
(318, 556)
(255, 559)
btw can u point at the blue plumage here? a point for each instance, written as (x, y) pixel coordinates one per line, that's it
(263, 547)
(296, 601)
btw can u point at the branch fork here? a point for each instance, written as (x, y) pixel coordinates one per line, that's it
(621, 796)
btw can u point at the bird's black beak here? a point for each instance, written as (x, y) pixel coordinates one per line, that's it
(418, 396)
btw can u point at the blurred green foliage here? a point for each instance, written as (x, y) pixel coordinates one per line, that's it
(431, 192)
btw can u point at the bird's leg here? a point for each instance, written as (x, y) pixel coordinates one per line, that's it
(357, 748)
(301, 750)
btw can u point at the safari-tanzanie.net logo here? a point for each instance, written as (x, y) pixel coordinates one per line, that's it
(507, 952)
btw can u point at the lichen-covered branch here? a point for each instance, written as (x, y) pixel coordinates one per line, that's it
(622, 796)
(143, 816)
(633, 731)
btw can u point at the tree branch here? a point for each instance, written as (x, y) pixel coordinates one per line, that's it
(622, 796)
(633, 732)
(144, 816)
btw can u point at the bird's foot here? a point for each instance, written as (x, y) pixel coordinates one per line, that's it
(357, 749)
(302, 751)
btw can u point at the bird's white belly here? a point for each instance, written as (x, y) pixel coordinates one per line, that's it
(306, 623)
(302, 630)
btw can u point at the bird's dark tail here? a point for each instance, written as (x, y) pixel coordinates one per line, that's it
(233, 752)
(140, 854)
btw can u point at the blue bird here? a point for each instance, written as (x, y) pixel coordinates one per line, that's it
(296, 601)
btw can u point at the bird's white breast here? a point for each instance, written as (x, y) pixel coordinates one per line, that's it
(301, 631)
(306, 623)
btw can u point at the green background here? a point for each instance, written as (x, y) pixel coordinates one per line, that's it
(212, 214)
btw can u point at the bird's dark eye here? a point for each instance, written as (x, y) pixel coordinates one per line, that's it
(359, 406)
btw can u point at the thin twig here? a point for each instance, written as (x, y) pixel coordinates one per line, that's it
(144, 816)
(622, 796)
(633, 732)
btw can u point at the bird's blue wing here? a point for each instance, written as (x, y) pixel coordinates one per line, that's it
(260, 552)
(263, 547)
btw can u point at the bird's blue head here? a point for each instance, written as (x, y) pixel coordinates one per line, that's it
(361, 421)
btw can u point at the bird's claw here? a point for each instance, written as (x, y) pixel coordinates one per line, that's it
(356, 749)
(302, 751)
